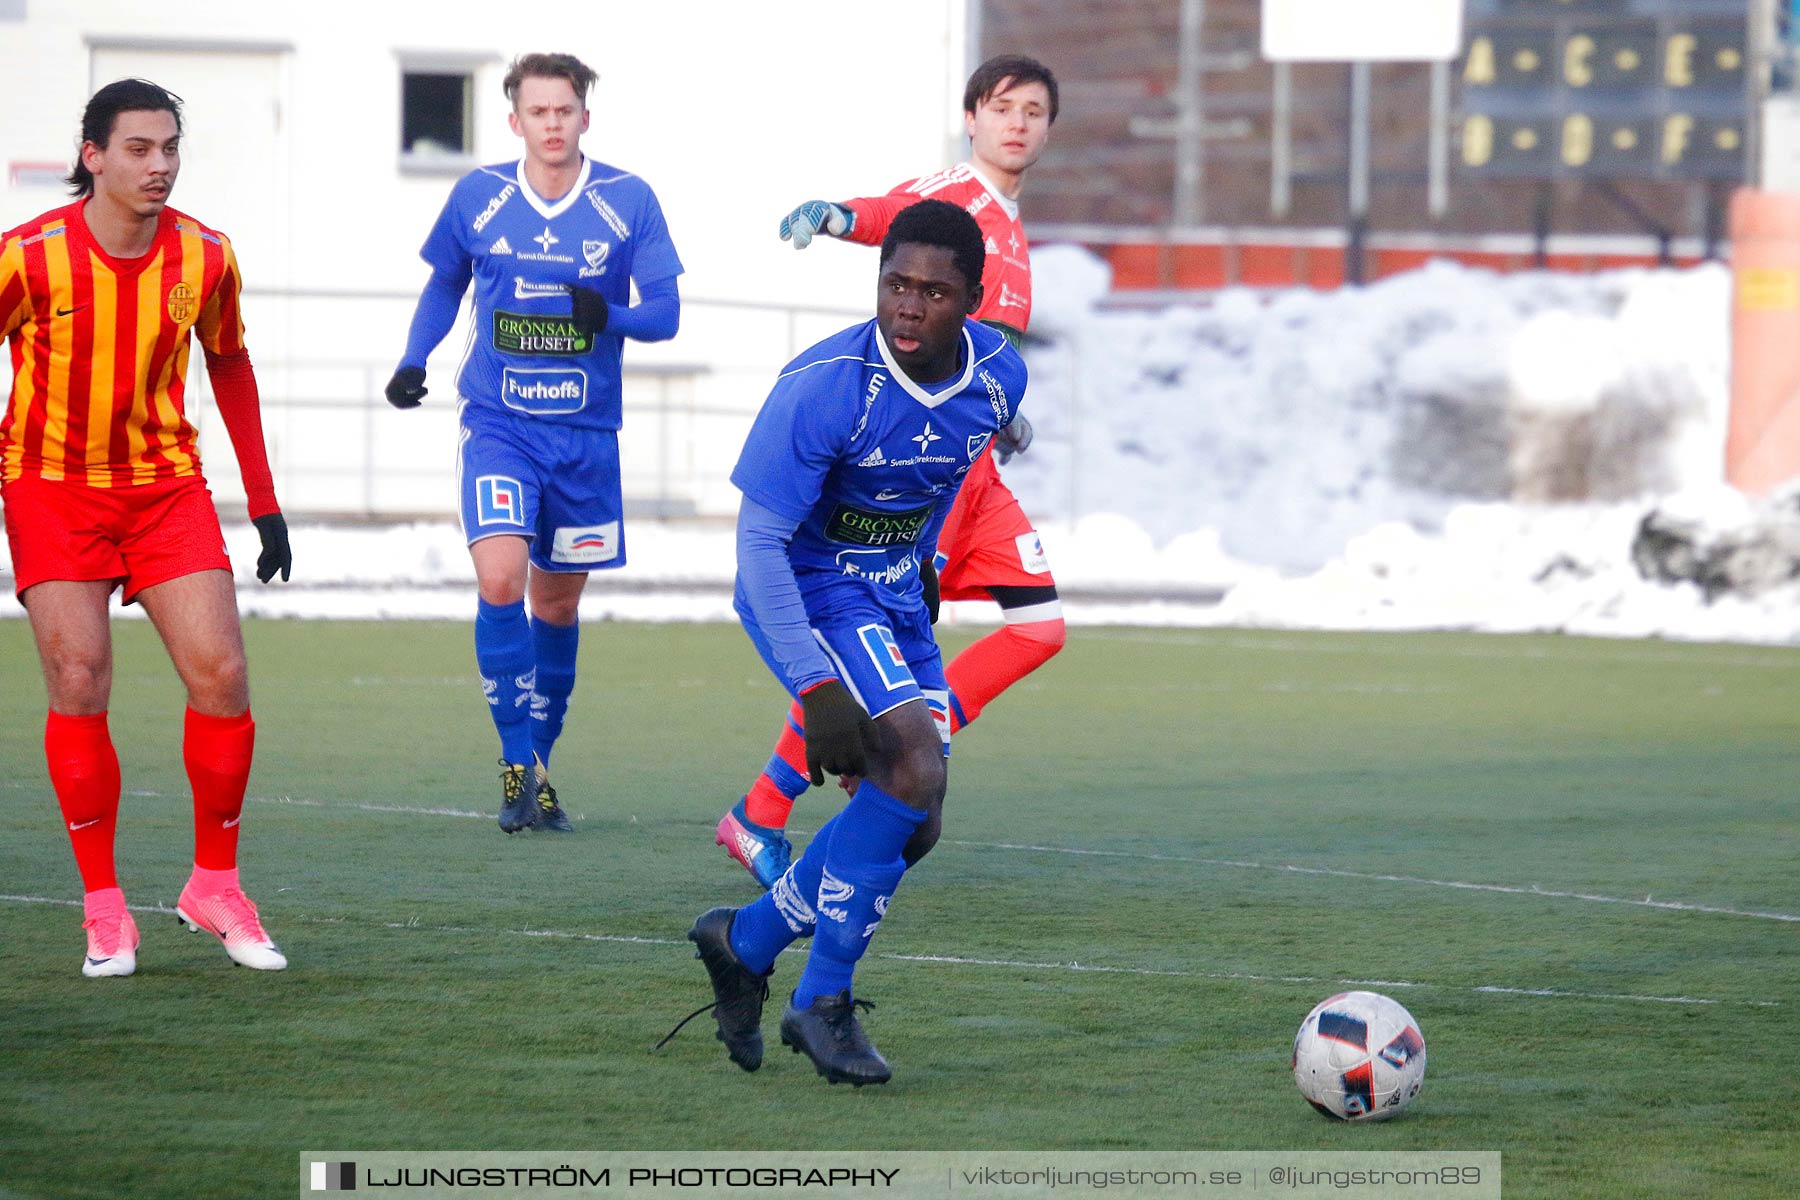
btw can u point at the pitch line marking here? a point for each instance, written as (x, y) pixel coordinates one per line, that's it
(1007, 963)
(1290, 868)
(1338, 873)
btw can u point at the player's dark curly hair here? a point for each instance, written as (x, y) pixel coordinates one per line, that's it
(939, 223)
(1011, 70)
(581, 77)
(102, 114)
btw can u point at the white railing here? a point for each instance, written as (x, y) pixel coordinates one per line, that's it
(338, 450)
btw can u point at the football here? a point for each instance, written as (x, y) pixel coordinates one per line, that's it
(1359, 1056)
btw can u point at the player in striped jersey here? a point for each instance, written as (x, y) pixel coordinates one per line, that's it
(989, 549)
(101, 482)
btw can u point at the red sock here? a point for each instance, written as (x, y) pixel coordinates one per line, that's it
(84, 770)
(768, 801)
(996, 662)
(217, 751)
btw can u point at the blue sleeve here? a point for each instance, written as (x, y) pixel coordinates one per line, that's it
(800, 434)
(766, 581)
(653, 256)
(444, 248)
(654, 318)
(433, 318)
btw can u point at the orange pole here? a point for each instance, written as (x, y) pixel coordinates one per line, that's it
(1762, 444)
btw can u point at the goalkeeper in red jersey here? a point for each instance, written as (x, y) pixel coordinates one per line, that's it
(989, 549)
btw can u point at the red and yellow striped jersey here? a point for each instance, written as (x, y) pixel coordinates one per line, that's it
(100, 347)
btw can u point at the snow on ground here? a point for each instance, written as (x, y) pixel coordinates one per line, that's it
(1447, 449)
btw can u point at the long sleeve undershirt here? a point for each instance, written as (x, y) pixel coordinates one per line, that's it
(766, 580)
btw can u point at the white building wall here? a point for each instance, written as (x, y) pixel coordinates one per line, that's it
(733, 113)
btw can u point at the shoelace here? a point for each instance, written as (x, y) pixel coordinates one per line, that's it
(843, 1025)
(546, 797)
(512, 780)
(670, 1036)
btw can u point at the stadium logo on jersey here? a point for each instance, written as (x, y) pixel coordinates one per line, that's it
(585, 543)
(494, 206)
(522, 333)
(1031, 553)
(524, 289)
(874, 566)
(182, 304)
(884, 652)
(874, 458)
(607, 214)
(595, 253)
(863, 527)
(500, 247)
(543, 391)
(925, 439)
(980, 202)
(977, 443)
(499, 500)
(997, 399)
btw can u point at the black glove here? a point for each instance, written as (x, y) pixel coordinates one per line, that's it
(840, 738)
(588, 309)
(1013, 439)
(407, 387)
(929, 580)
(276, 554)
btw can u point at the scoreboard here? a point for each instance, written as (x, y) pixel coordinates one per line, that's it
(1605, 89)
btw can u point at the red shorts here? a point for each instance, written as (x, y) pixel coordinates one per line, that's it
(137, 536)
(988, 541)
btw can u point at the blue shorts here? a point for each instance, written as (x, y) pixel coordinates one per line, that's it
(885, 657)
(554, 485)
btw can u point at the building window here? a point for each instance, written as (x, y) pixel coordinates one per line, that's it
(436, 117)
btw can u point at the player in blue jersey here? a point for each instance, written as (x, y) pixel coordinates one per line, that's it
(553, 243)
(847, 476)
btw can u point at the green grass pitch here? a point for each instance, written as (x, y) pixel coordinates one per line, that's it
(1574, 861)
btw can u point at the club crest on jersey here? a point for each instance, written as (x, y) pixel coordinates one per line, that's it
(977, 443)
(884, 652)
(499, 501)
(182, 303)
(595, 252)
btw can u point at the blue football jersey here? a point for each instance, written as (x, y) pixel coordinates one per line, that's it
(525, 355)
(868, 461)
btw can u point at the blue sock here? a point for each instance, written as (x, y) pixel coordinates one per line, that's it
(862, 868)
(503, 656)
(555, 646)
(784, 914)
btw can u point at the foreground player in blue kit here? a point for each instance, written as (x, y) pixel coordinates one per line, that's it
(848, 474)
(553, 243)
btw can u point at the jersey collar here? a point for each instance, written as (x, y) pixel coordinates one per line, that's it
(544, 208)
(917, 392)
(1009, 206)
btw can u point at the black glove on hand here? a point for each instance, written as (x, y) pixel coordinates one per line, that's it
(407, 387)
(589, 311)
(276, 554)
(840, 738)
(929, 580)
